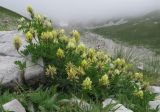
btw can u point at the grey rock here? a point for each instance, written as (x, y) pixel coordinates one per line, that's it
(14, 105)
(155, 89)
(6, 43)
(154, 104)
(116, 107)
(8, 70)
(108, 102)
(82, 104)
(33, 71)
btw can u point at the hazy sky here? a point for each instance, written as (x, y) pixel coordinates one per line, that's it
(84, 10)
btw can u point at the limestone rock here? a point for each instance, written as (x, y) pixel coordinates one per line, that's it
(33, 71)
(8, 70)
(154, 104)
(117, 107)
(14, 105)
(155, 89)
(6, 43)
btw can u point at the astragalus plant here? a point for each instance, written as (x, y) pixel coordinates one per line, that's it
(79, 70)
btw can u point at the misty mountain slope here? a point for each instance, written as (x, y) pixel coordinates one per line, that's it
(8, 19)
(141, 31)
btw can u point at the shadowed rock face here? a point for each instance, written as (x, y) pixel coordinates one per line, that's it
(9, 72)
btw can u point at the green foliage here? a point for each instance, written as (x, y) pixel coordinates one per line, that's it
(22, 65)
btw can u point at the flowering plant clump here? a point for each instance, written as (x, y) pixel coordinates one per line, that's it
(74, 67)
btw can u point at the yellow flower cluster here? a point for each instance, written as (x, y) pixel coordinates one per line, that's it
(91, 53)
(75, 34)
(17, 42)
(71, 71)
(139, 94)
(87, 84)
(138, 76)
(71, 45)
(119, 62)
(80, 49)
(104, 80)
(30, 9)
(101, 56)
(29, 37)
(80, 71)
(47, 24)
(61, 32)
(49, 36)
(51, 70)
(60, 53)
(85, 64)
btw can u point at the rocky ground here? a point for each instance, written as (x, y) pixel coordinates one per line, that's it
(10, 73)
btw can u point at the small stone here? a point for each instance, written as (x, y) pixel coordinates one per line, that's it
(82, 104)
(108, 101)
(14, 106)
(154, 104)
(117, 107)
(155, 89)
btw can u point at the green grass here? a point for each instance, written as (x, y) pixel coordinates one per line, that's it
(138, 31)
(8, 19)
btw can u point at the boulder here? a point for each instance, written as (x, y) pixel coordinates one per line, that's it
(6, 43)
(33, 72)
(9, 72)
(14, 106)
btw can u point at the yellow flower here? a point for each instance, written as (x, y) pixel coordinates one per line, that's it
(61, 32)
(29, 37)
(76, 35)
(47, 24)
(46, 36)
(30, 9)
(91, 52)
(100, 65)
(60, 53)
(71, 71)
(84, 64)
(38, 17)
(80, 48)
(63, 39)
(80, 71)
(51, 70)
(73, 40)
(87, 84)
(116, 71)
(71, 45)
(104, 80)
(54, 34)
(119, 62)
(71, 74)
(138, 76)
(17, 42)
(139, 94)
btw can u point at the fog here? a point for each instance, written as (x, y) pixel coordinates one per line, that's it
(83, 10)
